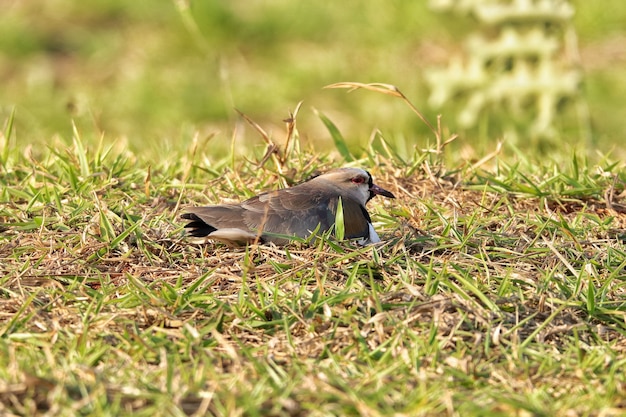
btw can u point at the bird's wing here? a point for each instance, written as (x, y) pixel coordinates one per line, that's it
(218, 217)
(300, 210)
(289, 213)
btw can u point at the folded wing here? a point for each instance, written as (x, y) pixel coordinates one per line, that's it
(293, 211)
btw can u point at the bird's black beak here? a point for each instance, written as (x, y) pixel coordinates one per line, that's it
(376, 190)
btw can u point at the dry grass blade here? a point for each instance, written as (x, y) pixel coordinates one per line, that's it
(291, 132)
(273, 150)
(256, 127)
(390, 90)
(482, 161)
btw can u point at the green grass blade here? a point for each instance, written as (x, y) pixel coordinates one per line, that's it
(338, 139)
(340, 227)
(4, 145)
(81, 154)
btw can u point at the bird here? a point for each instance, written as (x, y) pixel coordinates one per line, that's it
(299, 211)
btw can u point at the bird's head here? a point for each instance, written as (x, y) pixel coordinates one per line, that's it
(355, 183)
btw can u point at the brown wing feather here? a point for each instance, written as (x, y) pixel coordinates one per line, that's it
(299, 210)
(292, 211)
(214, 217)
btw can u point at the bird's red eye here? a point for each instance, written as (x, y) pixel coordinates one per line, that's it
(358, 180)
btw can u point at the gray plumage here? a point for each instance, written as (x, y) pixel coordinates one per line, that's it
(294, 211)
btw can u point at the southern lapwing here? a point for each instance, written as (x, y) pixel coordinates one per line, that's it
(297, 211)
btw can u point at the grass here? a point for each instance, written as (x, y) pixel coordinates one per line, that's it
(497, 291)
(499, 288)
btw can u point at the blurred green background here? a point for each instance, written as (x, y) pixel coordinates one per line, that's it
(151, 75)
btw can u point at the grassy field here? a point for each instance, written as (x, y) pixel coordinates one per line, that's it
(499, 288)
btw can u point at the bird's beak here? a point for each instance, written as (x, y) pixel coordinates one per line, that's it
(376, 190)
